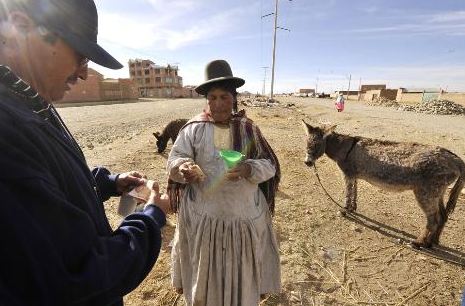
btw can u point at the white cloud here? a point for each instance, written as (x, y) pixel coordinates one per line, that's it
(163, 5)
(369, 9)
(449, 23)
(171, 30)
(448, 17)
(408, 29)
(127, 32)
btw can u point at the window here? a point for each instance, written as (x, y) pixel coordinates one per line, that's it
(146, 72)
(157, 71)
(147, 80)
(168, 80)
(157, 80)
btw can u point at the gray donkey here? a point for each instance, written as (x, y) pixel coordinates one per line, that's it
(397, 166)
(170, 131)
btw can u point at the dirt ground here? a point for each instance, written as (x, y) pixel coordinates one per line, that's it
(327, 259)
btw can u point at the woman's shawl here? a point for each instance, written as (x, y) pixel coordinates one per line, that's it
(247, 139)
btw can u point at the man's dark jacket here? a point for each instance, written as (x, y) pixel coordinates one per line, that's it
(57, 247)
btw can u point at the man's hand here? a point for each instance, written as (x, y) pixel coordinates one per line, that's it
(127, 181)
(161, 201)
(242, 170)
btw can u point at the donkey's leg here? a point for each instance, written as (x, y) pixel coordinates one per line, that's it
(354, 195)
(441, 217)
(429, 203)
(350, 193)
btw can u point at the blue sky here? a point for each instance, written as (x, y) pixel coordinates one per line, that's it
(401, 43)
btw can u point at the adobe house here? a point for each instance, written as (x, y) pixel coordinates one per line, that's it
(417, 95)
(374, 91)
(305, 92)
(96, 88)
(348, 95)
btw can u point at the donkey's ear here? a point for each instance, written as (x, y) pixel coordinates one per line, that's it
(157, 135)
(307, 127)
(329, 129)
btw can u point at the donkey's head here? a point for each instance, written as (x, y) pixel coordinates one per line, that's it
(316, 142)
(161, 142)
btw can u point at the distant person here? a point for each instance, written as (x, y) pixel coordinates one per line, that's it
(224, 251)
(340, 102)
(57, 245)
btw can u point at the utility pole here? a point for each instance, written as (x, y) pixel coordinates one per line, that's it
(316, 86)
(348, 89)
(274, 44)
(360, 88)
(274, 48)
(264, 80)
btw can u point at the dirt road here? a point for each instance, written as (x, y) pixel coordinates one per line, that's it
(326, 258)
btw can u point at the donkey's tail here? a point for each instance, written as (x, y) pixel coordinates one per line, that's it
(456, 190)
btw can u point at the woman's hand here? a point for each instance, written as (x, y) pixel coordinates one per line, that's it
(242, 170)
(191, 172)
(126, 181)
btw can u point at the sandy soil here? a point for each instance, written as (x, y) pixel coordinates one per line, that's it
(326, 258)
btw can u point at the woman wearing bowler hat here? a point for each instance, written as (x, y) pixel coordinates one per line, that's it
(224, 251)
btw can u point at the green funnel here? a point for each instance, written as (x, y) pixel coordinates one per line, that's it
(231, 158)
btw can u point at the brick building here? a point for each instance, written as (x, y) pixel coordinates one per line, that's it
(97, 88)
(156, 81)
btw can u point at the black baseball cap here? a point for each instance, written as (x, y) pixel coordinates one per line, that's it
(75, 21)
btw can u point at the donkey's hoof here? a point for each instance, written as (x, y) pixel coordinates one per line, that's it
(421, 243)
(350, 209)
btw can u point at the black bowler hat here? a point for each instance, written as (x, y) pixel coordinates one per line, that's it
(76, 22)
(215, 72)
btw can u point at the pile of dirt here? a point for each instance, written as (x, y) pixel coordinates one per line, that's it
(383, 102)
(436, 107)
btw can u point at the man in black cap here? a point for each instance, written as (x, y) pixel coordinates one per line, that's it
(57, 247)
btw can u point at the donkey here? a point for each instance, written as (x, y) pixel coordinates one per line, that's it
(397, 166)
(170, 131)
